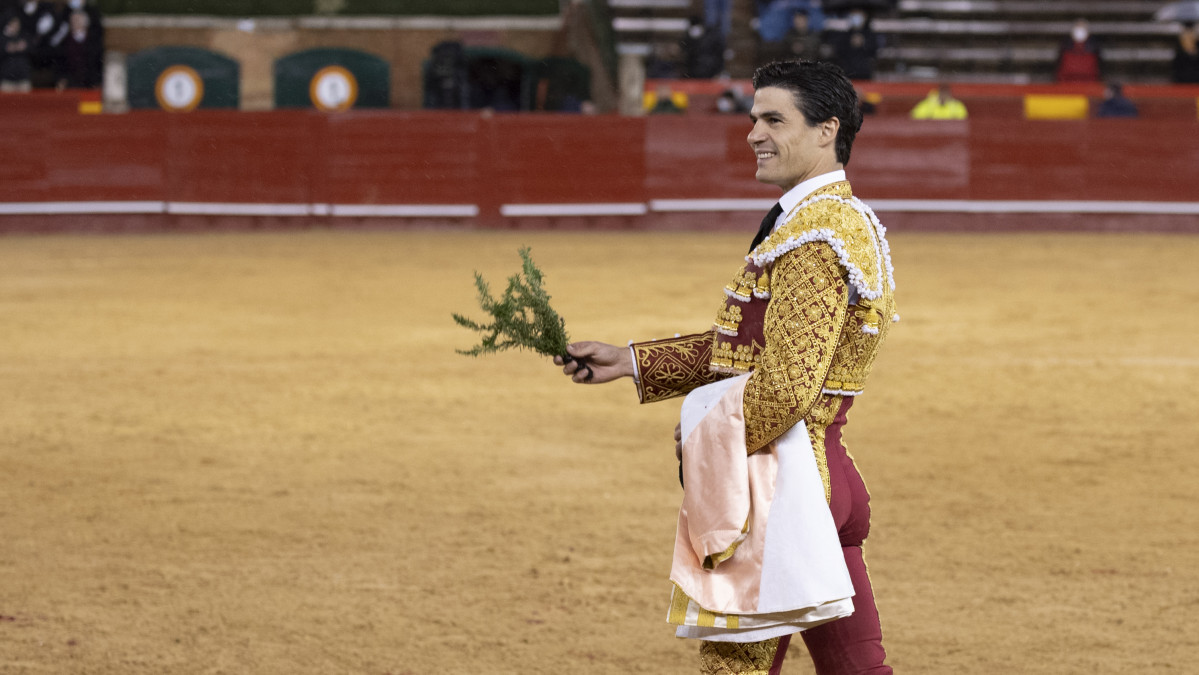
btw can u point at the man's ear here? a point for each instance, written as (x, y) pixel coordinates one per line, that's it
(828, 130)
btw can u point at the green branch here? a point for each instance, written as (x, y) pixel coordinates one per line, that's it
(521, 319)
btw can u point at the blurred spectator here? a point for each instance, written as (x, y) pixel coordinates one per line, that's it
(37, 17)
(41, 20)
(775, 17)
(1115, 104)
(732, 101)
(799, 42)
(495, 83)
(1186, 56)
(703, 51)
(802, 41)
(95, 22)
(718, 16)
(855, 48)
(445, 76)
(868, 104)
(80, 54)
(1078, 59)
(940, 105)
(664, 101)
(663, 61)
(15, 64)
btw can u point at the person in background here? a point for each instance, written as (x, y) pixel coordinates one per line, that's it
(1185, 66)
(80, 55)
(39, 21)
(664, 101)
(37, 18)
(663, 62)
(1115, 104)
(732, 102)
(1078, 60)
(799, 42)
(940, 105)
(15, 64)
(718, 16)
(855, 48)
(802, 42)
(703, 50)
(774, 17)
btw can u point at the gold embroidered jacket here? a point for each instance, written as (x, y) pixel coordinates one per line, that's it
(806, 314)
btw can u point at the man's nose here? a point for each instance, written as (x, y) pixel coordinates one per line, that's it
(755, 135)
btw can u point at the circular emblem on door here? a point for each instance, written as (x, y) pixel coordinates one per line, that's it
(179, 89)
(333, 89)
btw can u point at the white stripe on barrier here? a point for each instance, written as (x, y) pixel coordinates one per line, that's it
(63, 208)
(949, 206)
(711, 204)
(582, 209)
(237, 209)
(611, 209)
(405, 210)
(972, 206)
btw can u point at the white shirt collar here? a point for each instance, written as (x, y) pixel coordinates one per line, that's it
(795, 195)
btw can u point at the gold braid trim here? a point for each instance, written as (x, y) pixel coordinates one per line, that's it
(835, 216)
(737, 658)
(807, 312)
(674, 366)
(818, 420)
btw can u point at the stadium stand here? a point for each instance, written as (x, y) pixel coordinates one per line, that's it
(1008, 41)
(1017, 41)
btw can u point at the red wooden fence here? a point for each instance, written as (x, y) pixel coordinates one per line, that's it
(488, 168)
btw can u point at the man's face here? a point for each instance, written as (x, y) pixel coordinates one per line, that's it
(788, 150)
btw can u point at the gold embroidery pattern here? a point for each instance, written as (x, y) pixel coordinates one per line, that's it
(859, 346)
(803, 324)
(818, 420)
(743, 285)
(737, 658)
(762, 288)
(834, 215)
(738, 324)
(674, 366)
(728, 321)
(734, 360)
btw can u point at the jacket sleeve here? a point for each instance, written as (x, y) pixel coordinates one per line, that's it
(807, 312)
(673, 367)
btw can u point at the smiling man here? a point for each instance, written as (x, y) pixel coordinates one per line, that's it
(774, 514)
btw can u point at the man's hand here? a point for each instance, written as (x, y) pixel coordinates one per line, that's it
(678, 442)
(606, 362)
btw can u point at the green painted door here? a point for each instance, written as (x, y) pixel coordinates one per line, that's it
(332, 80)
(182, 79)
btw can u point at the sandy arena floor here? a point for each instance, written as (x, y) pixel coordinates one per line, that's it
(258, 453)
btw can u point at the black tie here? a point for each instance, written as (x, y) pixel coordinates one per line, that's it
(767, 225)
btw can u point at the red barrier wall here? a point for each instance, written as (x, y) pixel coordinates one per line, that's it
(305, 158)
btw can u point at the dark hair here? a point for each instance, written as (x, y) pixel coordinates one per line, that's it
(821, 91)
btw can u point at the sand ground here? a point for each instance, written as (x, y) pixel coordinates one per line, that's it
(259, 453)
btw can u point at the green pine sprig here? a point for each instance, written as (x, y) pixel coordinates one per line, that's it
(521, 319)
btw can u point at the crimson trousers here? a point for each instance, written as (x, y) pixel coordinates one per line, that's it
(852, 645)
